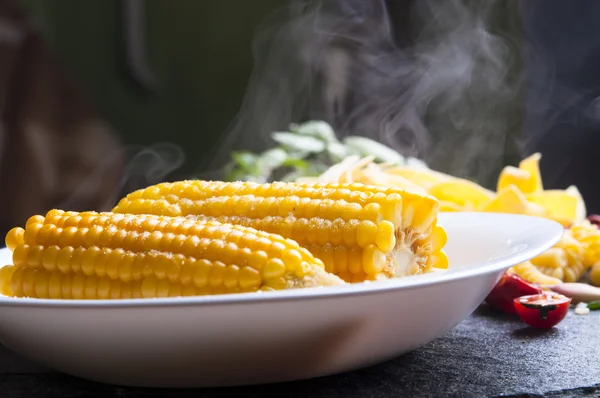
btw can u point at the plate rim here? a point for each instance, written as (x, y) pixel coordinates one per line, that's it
(553, 229)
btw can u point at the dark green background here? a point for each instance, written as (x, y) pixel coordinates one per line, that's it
(199, 50)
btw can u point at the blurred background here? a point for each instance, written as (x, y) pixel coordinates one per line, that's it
(101, 97)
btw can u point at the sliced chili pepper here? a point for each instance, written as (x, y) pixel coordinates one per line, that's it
(543, 310)
(509, 287)
(594, 305)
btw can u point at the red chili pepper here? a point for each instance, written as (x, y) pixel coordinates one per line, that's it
(507, 289)
(544, 310)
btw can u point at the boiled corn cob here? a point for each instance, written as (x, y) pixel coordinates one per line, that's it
(359, 232)
(89, 255)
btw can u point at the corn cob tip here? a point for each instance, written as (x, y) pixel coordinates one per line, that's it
(412, 255)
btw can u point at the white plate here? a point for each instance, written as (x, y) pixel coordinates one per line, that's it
(260, 338)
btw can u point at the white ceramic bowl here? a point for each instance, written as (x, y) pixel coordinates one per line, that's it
(289, 335)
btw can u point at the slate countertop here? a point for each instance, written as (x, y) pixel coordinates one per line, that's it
(487, 355)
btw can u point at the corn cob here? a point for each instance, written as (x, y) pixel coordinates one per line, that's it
(92, 255)
(359, 232)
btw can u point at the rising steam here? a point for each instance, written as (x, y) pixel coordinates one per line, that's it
(443, 91)
(151, 165)
(145, 166)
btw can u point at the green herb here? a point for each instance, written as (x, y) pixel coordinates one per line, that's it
(299, 143)
(367, 147)
(315, 128)
(307, 150)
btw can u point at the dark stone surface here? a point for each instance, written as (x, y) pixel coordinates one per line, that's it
(488, 355)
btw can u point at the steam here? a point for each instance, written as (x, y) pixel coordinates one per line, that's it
(443, 91)
(145, 166)
(560, 90)
(151, 165)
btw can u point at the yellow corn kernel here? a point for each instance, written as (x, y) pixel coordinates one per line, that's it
(357, 216)
(39, 283)
(37, 219)
(276, 283)
(340, 259)
(349, 234)
(373, 260)
(221, 258)
(385, 236)
(355, 261)
(366, 234)
(436, 239)
(327, 255)
(29, 236)
(55, 285)
(14, 238)
(438, 260)
(20, 255)
(34, 256)
(6, 273)
(424, 213)
(275, 268)
(292, 258)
